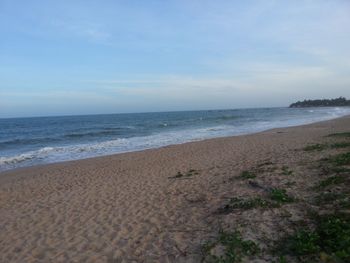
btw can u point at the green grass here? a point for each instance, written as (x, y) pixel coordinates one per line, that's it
(247, 175)
(338, 145)
(192, 172)
(178, 175)
(330, 239)
(235, 248)
(340, 170)
(277, 196)
(245, 204)
(345, 203)
(265, 164)
(280, 196)
(286, 171)
(330, 181)
(341, 134)
(329, 197)
(188, 174)
(340, 159)
(320, 147)
(315, 147)
(290, 183)
(304, 242)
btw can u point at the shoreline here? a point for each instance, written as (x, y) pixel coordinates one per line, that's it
(156, 148)
(165, 204)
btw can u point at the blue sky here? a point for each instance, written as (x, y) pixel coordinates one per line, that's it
(83, 57)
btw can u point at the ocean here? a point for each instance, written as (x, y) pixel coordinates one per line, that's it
(41, 140)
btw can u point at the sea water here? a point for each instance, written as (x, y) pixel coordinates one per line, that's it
(40, 140)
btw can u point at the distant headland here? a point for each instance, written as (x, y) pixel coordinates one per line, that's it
(338, 102)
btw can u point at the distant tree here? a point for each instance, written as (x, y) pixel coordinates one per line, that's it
(341, 101)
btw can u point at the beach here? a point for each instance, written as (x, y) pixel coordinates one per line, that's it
(159, 205)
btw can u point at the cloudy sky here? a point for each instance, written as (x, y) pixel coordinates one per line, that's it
(82, 57)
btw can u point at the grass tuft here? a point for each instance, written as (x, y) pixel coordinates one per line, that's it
(188, 174)
(286, 171)
(341, 134)
(315, 147)
(280, 196)
(329, 240)
(234, 248)
(329, 197)
(333, 180)
(247, 175)
(338, 145)
(290, 183)
(341, 159)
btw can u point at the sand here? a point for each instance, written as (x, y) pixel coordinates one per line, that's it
(132, 208)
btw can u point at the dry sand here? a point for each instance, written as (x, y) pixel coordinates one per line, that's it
(130, 208)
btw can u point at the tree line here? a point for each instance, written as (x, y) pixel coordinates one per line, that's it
(341, 101)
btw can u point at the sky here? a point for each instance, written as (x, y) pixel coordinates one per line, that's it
(73, 57)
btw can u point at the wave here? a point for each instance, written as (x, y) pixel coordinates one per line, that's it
(58, 138)
(94, 134)
(159, 138)
(28, 141)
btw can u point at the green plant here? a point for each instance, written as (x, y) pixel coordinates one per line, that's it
(315, 147)
(178, 175)
(340, 145)
(290, 183)
(245, 204)
(247, 175)
(326, 198)
(188, 174)
(192, 172)
(340, 170)
(280, 196)
(334, 232)
(265, 164)
(235, 248)
(340, 134)
(341, 159)
(330, 239)
(286, 170)
(304, 242)
(333, 180)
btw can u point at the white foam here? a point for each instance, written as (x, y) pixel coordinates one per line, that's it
(81, 151)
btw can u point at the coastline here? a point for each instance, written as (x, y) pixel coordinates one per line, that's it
(37, 143)
(15, 170)
(132, 207)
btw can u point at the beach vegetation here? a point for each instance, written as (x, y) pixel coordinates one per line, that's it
(340, 145)
(286, 171)
(245, 204)
(290, 183)
(330, 181)
(340, 159)
(189, 173)
(340, 134)
(340, 170)
(229, 247)
(280, 196)
(315, 147)
(327, 241)
(328, 197)
(178, 175)
(265, 164)
(192, 172)
(320, 147)
(247, 175)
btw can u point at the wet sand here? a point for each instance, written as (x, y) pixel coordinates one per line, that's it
(134, 207)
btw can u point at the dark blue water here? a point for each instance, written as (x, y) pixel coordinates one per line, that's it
(31, 141)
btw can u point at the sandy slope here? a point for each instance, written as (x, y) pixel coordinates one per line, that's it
(127, 208)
